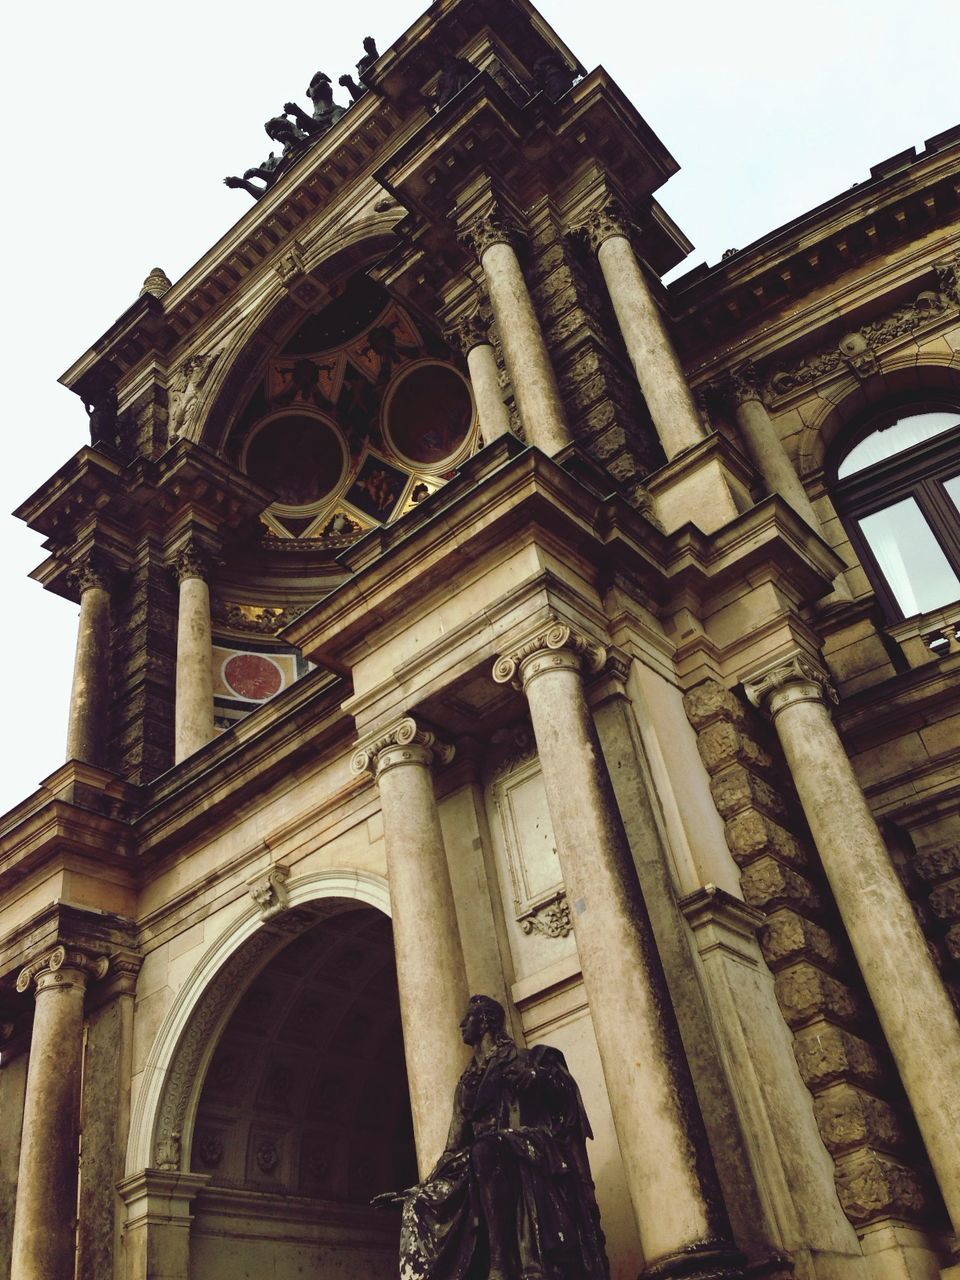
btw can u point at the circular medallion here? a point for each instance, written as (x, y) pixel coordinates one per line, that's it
(428, 413)
(252, 676)
(299, 457)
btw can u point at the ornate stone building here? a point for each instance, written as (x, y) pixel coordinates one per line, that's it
(462, 610)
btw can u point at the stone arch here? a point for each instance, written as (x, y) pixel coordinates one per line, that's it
(162, 1122)
(355, 247)
(900, 377)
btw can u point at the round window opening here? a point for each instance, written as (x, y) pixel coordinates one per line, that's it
(252, 676)
(428, 413)
(298, 457)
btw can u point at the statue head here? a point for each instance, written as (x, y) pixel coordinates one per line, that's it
(319, 89)
(281, 130)
(483, 1014)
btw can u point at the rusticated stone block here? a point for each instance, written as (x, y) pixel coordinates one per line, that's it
(736, 788)
(828, 1053)
(937, 864)
(710, 701)
(722, 743)
(872, 1186)
(751, 834)
(806, 993)
(945, 900)
(850, 1117)
(787, 937)
(768, 884)
(952, 940)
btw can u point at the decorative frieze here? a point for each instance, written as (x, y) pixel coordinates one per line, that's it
(259, 619)
(859, 349)
(548, 644)
(551, 919)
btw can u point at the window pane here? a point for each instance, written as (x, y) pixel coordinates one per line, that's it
(911, 559)
(953, 489)
(901, 435)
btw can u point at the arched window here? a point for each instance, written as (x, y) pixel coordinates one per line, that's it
(897, 488)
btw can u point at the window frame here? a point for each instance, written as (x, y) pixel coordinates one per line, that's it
(919, 473)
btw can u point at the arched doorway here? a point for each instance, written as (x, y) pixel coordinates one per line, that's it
(303, 1114)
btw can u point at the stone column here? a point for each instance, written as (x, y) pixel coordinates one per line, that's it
(44, 1228)
(193, 714)
(431, 978)
(681, 1219)
(912, 1005)
(473, 338)
(651, 352)
(89, 695)
(528, 361)
(763, 444)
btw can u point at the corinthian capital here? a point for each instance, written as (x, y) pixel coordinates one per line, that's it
(604, 223)
(192, 560)
(493, 227)
(93, 571)
(790, 679)
(741, 384)
(556, 645)
(63, 966)
(403, 743)
(472, 331)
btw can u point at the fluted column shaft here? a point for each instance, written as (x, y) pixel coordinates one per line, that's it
(193, 713)
(44, 1229)
(431, 977)
(660, 1130)
(908, 995)
(89, 695)
(528, 361)
(652, 354)
(475, 344)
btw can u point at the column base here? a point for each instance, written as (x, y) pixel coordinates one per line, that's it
(707, 1260)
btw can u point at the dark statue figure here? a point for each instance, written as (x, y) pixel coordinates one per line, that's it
(326, 112)
(455, 74)
(553, 75)
(370, 55)
(355, 90)
(102, 411)
(511, 1197)
(281, 130)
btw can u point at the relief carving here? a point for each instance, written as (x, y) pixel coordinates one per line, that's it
(269, 891)
(552, 919)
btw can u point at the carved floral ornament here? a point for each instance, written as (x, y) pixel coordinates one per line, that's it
(604, 223)
(192, 560)
(94, 571)
(472, 331)
(490, 228)
(403, 743)
(63, 965)
(791, 679)
(551, 919)
(556, 646)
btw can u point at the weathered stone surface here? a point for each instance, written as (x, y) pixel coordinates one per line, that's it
(945, 900)
(850, 1117)
(937, 864)
(827, 1053)
(787, 937)
(806, 993)
(872, 1186)
(767, 884)
(750, 834)
(710, 701)
(736, 788)
(722, 743)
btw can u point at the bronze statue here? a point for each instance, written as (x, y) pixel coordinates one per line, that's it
(281, 130)
(370, 55)
(553, 75)
(326, 112)
(511, 1197)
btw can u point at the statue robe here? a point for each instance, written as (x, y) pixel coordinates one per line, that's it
(528, 1104)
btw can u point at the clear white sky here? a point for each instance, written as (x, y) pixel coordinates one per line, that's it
(121, 120)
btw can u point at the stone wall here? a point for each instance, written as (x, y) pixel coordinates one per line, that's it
(864, 1120)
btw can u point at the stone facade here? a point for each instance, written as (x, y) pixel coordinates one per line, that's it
(463, 610)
